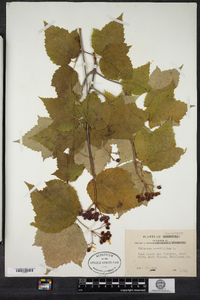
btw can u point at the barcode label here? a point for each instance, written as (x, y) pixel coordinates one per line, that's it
(19, 271)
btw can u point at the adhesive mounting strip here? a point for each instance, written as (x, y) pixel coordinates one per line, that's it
(118, 21)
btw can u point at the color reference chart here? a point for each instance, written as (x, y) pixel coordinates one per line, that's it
(45, 284)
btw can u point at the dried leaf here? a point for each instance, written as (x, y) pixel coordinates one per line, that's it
(95, 113)
(61, 46)
(139, 83)
(163, 105)
(64, 80)
(126, 119)
(63, 247)
(130, 99)
(56, 206)
(152, 94)
(100, 156)
(115, 63)
(58, 141)
(62, 112)
(112, 32)
(145, 175)
(158, 150)
(68, 170)
(115, 191)
(124, 149)
(78, 89)
(34, 145)
(160, 79)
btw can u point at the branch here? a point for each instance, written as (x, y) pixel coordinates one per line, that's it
(136, 167)
(87, 125)
(84, 63)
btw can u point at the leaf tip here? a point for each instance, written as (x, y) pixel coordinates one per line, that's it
(30, 186)
(17, 141)
(120, 17)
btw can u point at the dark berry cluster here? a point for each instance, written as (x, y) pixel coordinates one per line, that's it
(148, 196)
(105, 236)
(105, 219)
(92, 214)
(89, 214)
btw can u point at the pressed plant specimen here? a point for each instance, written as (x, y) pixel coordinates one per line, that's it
(86, 121)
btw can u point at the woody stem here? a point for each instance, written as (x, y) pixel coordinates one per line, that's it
(87, 125)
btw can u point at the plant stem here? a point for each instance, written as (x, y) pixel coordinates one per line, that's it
(87, 125)
(84, 62)
(114, 81)
(136, 167)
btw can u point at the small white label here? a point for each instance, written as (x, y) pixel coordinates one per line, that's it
(20, 271)
(161, 285)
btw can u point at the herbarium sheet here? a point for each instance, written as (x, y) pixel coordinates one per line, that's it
(101, 139)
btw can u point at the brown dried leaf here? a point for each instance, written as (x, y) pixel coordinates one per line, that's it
(138, 83)
(64, 80)
(160, 79)
(115, 63)
(62, 112)
(113, 32)
(100, 156)
(158, 150)
(56, 206)
(58, 141)
(68, 170)
(95, 113)
(164, 106)
(64, 247)
(115, 191)
(43, 122)
(145, 175)
(61, 46)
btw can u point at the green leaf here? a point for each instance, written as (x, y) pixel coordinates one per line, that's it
(63, 247)
(95, 113)
(56, 206)
(68, 170)
(163, 106)
(43, 122)
(160, 79)
(61, 46)
(115, 191)
(115, 64)
(139, 83)
(64, 80)
(157, 150)
(112, 32)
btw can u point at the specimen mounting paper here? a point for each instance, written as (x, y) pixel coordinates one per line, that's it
(154, 40)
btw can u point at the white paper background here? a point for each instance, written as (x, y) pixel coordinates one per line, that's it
(164, 34)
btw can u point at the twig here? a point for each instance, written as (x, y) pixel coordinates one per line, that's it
(118, 82)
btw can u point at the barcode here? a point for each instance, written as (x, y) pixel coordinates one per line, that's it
(24, 270)
(19, 271)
